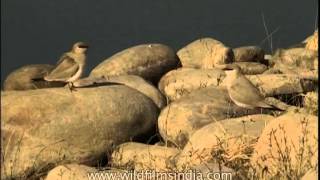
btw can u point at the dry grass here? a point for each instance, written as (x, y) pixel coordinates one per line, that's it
(236, 155)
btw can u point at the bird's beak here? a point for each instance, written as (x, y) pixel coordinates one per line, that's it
(84, 46)
(228, 68)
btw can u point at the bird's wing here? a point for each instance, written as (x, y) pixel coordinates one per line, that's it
(243, 91)
(65, 69)
(64, 56)
(41, 73)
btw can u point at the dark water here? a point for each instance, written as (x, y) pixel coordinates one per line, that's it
(39, 31)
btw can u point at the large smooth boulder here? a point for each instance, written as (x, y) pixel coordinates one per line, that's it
(22, 78)
(149, 61)
(53, 126)
(140, 156)
(287, 143)
(228, 133)
(205, 53)
(132, 81)
(248, 54)
(178, 121)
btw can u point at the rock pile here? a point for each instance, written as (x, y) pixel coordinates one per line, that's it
(117, 121)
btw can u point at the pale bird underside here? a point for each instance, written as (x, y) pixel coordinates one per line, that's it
(65, 71)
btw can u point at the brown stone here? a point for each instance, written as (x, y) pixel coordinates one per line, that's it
(149, 61)
(205, 53)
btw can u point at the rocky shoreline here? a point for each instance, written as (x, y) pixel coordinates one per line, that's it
(151, 108)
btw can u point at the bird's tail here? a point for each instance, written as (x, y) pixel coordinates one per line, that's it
(38, 79)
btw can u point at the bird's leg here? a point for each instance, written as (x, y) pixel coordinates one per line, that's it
(248, 112)
(71, 86)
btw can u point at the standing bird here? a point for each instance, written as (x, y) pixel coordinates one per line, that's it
(70, 66)
(241, 91)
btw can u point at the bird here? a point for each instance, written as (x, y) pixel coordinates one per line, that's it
(241, 91)
(70, 66)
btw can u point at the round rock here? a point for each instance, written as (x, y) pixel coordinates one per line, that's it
(149, 61)
(205, 53)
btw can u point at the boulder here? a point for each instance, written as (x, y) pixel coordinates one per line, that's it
(47, 127)
(228, 134)
(288, 144)
(205, 53)
(22, 78)
(248, 54)
(149, 61)
(182, 81)
(132, 81)
(181, 118)
(139, 157)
